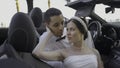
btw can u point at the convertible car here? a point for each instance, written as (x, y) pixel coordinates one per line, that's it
(18, 41)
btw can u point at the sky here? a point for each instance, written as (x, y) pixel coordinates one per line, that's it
(8, 9)
(100, 10)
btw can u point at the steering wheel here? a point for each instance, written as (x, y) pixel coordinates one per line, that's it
(109, 32)
(95, 28)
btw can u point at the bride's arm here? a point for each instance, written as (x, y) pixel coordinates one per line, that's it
(50, 55)
(40, 53)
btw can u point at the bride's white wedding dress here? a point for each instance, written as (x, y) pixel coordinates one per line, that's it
(81, 61)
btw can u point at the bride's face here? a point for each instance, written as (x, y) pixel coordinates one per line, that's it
(73, 33)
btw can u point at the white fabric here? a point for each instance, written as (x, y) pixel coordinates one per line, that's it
(53, 45)
(81, 61)
(89, 41)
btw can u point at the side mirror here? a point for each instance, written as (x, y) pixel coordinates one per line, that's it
(108, 9)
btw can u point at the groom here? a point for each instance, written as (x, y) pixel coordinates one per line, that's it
(54, 21)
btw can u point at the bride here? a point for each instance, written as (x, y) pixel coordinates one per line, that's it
(78, 55)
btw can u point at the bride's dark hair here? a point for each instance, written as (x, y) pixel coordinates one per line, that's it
(82, 27)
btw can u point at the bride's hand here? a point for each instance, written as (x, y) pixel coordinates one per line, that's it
(49, 31)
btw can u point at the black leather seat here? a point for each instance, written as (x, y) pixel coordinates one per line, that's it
(21, 33)
(22, 36)
(9, 58)
(12, 63)
(3, 34)
(37, 18)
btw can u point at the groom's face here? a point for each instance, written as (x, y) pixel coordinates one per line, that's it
(56, 25)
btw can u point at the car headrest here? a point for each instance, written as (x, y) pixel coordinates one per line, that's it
(21, 33)
(36, 16)
(3, 34)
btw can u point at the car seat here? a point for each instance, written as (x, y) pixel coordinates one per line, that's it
(21, 33)
(37, 18)
(22, 36)
(3, 35)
